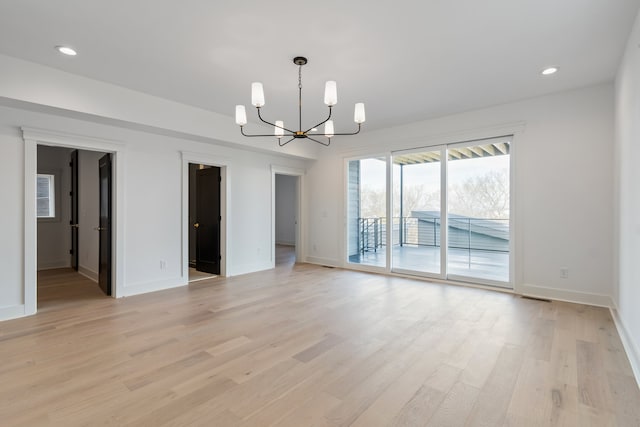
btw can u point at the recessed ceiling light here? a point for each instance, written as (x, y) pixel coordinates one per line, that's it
(66, 50)
(314, 130)
(549, 70)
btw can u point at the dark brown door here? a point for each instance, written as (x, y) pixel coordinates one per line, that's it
(104, 228)
(208, 220)
(74, 209)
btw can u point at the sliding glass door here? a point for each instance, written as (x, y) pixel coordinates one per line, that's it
(478, 211)
(367, 212)
(448, 217)
(417, 211)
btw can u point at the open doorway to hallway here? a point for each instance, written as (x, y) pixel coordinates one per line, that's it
(205, 216)
(73, 209)
(286, 211)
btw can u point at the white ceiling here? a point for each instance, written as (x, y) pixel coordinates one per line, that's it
(407, 60)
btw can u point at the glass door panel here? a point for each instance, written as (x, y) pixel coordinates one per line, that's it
(478, 200)
(367, 212)
(417, 211)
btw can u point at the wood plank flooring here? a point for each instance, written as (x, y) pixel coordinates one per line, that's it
(304, 345)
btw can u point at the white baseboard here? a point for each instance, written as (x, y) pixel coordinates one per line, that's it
(565, 295)
(153, 286)
(323, 261)
(52, 265)
(633, 353)
(88, 273)
(12, 312)
(238, 270)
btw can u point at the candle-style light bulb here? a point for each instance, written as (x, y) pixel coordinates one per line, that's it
(241, 115)
(278, 130)
(358, 113)
(328, 129)
(257, 94)
(330, 93)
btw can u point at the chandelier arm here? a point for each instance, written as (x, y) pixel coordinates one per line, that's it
(319, 142)
(283, 144)
(352, 133)
(272, 124)
(321, 123)
(336, 134)
(270, 135)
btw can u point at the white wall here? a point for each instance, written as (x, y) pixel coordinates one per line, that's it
(563, 180)
(286, 206)
(627, 292)
(11, 229)
(54, 235)
(88, 212)
(152, 203)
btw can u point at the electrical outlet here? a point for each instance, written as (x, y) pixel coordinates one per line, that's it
(163, 265)
(564, 273)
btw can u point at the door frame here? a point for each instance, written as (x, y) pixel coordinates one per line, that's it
(444, 220)
(74, 211)
(33, 137)
(344, 262)
(300, 239)
(221, 162)
(105, 242)
(516, 258)
(206, 184)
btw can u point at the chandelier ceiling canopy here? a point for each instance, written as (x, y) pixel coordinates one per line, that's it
(279, 129)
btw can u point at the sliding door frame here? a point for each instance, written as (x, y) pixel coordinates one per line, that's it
(513, 132)
(444, 236)
(345, 255)
(509, 284)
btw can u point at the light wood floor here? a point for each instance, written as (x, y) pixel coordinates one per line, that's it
(64, 287)
(304, 345)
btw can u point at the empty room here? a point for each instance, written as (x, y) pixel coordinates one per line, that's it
(413, 213)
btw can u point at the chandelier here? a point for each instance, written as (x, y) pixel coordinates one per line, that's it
(280, 131)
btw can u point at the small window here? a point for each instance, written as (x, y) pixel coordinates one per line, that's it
(45, 196)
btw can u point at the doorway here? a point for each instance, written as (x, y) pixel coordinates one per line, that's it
(41, 137)
(205, 216)
(286, 218)
(73, 231)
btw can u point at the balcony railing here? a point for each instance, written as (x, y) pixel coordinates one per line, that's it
(464, 233)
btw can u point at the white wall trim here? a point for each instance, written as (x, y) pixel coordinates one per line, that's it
(225, 207)
(70, 140)
(88, 273)
(153, 286)
(32, 138)
(30, 256)
(300, 242)
(566, 295)
(52, 265)
(12, 312)
(633, 352)
(251, 268)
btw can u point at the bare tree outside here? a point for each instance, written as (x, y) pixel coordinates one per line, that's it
(481, 196)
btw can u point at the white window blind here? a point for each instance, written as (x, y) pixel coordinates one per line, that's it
(45, 196)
